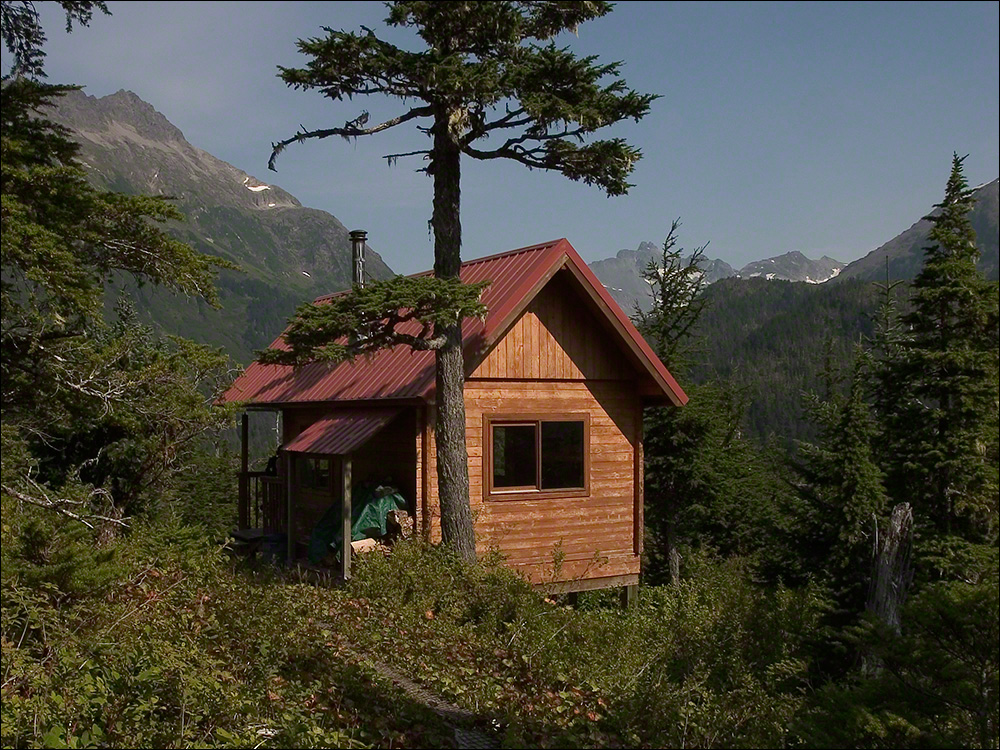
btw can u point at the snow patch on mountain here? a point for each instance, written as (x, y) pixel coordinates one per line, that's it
(257, 187)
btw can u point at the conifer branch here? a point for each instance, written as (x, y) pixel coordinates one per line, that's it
(379, 316)
(352, 129)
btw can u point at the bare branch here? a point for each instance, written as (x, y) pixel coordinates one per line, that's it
(62, 505)
(507, 121)
(530, 158)
(352, 129)
(393, 158)
(416, 342)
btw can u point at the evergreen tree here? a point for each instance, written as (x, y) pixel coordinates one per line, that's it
(705, 484)
(677, 284)
(843, 489)
(90, 411)
(940, 381)
(24, 37)
(483, 71)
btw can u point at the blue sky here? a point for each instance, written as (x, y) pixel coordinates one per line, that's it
(825, 128)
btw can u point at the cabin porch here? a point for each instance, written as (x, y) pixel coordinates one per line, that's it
(323, 482)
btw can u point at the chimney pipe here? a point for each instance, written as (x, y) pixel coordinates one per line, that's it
(358, 237)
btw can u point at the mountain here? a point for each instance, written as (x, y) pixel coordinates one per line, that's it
(287, 253)
(904, 252)
(793, 266)
(622, 275)
(771, 339)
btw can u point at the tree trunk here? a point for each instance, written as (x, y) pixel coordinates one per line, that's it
(457, 529)
(891, 575)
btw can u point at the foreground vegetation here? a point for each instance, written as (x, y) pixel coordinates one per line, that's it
(160, 639)
(766, 619)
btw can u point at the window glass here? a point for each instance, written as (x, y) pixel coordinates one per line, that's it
(562, 455)
(514, 456)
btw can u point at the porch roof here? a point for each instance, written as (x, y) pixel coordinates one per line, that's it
(341, 432)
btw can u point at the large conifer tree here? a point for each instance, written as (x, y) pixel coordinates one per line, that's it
(483, 71)
(91, 414)
(944, 378)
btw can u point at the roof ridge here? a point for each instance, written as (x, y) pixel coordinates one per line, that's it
(495, 256)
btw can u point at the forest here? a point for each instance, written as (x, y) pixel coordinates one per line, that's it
(835, 586)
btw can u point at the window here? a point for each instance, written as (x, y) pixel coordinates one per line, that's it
(314, 473)
(533, 456)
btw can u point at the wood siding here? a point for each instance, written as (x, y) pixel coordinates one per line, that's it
(311, 503)
(595, 534)
(391, 456)
(556, 359)
(557, 338)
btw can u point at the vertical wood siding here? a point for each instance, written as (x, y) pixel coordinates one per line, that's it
(391, 456)
(556, 338)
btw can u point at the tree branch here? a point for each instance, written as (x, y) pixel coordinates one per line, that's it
(529, 158)
(393, 158)
(482, 127)
(352, 129)
(62, 505)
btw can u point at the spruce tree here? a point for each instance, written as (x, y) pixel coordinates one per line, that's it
(484, 70)
(676, 284)
(705, 485)
(95, 414)
(843, 489)
(944, 380)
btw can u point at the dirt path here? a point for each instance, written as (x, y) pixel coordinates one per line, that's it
(462, 721)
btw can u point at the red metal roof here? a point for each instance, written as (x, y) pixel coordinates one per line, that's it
(341, 432)
(400, 373)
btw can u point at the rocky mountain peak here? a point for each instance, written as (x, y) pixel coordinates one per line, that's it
(287, 253)
(124, 108)
(794, 266)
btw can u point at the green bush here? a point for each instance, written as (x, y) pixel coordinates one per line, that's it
(714, 661)
(180, 649)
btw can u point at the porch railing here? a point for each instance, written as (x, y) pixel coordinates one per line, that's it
(263, 502)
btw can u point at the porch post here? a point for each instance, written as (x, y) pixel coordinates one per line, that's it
(345, 516)
(243, 512)
(290, 503)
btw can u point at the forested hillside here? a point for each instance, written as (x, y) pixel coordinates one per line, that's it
(770, 341)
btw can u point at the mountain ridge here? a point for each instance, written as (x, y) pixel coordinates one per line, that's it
(288, 253)
(905, 252)
(622, 274)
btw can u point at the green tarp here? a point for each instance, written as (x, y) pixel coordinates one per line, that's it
(370, 504)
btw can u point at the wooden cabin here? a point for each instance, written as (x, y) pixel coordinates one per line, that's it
(556, 380)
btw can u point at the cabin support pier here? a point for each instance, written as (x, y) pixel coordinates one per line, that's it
(629, 596)
(244, 500)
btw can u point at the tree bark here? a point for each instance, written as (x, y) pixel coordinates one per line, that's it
(457, 530)
(891, 575)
